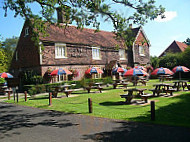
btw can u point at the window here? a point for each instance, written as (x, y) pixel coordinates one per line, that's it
(122, 54)
(60, 50)
(95, 53)
(26, 31)
(141, 51)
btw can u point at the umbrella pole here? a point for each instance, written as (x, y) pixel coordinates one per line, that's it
(179, 75)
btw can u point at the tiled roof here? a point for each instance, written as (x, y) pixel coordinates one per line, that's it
(71, 34)
(181, 45)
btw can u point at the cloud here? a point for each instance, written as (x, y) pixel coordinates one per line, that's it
(169, 15)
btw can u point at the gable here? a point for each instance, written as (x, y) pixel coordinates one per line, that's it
(141, 38)
(174, 47)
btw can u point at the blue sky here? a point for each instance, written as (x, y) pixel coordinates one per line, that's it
(161, 33)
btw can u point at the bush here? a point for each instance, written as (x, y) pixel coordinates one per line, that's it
(37, 89)
(2, 80)
(107, 80)
(30, 77)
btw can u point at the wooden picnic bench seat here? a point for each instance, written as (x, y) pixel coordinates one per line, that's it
(171, 90)
(169, 78)
(115, 84)
(94, 87)
(143, 82)
(145, 97)
(188, 86)
(127, 97)
(68, 92)
(155, 91)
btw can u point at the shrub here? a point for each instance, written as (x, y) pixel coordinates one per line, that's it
(2, 80)
(107, 80)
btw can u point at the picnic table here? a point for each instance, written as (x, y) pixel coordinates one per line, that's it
(97, 86)
(61, 88)
(180, 83)
(119, 82)
(162, 87)
(165, 77)
(129, 96)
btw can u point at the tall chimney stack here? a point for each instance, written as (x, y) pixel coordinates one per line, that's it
(63, 14)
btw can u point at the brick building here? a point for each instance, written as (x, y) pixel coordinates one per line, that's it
(76, 49)
(175, 47)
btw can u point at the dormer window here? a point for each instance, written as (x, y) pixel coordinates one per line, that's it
(26, 31)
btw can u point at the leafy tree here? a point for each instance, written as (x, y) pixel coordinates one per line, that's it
(9, 46)
(186, 57)
(3, 61)
(154, 61)
(171, 60)
(85, 12)
(187, 41)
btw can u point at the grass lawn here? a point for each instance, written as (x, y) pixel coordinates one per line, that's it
(109, 104)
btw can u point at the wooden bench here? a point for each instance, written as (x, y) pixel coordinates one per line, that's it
(94, 87)
(169, 78)
(68, 92)
(127, 97)
(169, 91)
(155, 91)
(115, 85)
(145, 97)
(188, 86)
(143, 82)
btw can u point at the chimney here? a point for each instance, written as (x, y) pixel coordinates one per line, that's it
(63, 14)
(130, 26)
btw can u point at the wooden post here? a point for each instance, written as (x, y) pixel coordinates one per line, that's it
(14, 90)
(9, 95)
(90, 105)
(50, 98)
(17, 96)
(152, 110)
(25, 95)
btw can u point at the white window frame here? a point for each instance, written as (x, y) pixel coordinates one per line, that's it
(96, 55)
(26, 31)
(141, 51)
(122, 54)
(59, 52)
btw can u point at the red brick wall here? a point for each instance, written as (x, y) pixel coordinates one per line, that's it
(140, 41)
(78, 55)
(28, 53)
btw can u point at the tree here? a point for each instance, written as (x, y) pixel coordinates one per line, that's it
(3, 61)
(187, 41)
(85, 12)
(186, 57)
(154, 61)
(9, 46)
(171, 60)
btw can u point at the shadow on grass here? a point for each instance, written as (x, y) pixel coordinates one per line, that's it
(176, 113)
(112, 103)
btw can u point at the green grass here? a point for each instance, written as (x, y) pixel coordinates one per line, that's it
(109, 104)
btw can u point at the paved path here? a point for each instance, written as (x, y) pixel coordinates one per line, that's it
(24, 124)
